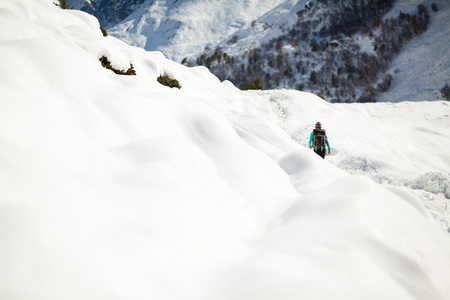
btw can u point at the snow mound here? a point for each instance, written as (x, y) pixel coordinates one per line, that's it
(433, 182)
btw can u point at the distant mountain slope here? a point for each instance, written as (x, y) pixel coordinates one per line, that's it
(383, 50)
(424, 64)
(108, 12)
(185, 28)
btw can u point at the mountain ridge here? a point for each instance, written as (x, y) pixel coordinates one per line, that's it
(238, 43)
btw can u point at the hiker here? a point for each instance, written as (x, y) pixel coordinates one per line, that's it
(318, 139)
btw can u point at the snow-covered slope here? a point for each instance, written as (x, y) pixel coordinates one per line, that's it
(397, 144)
(424, 64)
(184, 28)
(108, 12)
(116, 187)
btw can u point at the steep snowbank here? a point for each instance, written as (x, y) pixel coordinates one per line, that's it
(118, 187)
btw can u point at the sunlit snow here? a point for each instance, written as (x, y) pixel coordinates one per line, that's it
(116, 187)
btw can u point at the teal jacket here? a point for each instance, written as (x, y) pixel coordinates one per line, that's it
(311, 139)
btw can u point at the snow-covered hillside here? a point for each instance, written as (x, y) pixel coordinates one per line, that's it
(117, 187)
(184, 28)
(108, 12)
(424, 64)
(189, 29)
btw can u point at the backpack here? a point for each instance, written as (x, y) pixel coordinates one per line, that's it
(319, 139)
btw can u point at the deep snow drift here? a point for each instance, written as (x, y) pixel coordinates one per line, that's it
(116, 187)
(380, 140)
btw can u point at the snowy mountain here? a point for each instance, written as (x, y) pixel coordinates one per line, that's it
(424, 64)
(108, 12)
(185, 28)
(286, 43)
(119, 187)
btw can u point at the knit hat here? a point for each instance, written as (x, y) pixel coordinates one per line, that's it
(318, 125)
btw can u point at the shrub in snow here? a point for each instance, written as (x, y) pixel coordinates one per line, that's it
(167, 81)
(103, 31)
(256, 85)
(107, 64)
(319, 94)
(63, 4)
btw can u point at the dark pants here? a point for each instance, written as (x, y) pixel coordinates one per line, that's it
(320, 152)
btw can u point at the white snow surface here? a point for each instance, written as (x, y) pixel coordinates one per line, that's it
(116, 187)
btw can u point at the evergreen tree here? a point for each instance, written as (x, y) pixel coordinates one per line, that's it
(445, 92)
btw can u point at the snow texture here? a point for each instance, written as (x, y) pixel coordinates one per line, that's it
(117, 187)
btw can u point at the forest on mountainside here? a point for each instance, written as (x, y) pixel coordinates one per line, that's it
(339, 50)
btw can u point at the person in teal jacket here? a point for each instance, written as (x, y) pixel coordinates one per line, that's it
(318, 139)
